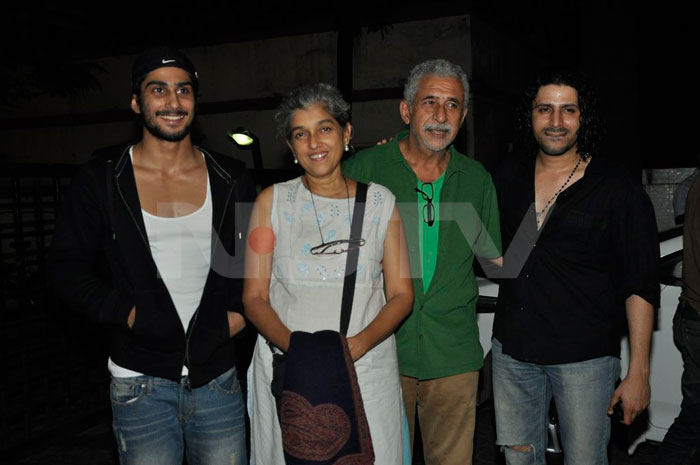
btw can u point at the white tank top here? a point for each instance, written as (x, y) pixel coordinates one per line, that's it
(181, 249)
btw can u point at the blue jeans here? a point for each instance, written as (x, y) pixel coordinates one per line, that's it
(522, 393)
(156, 420)
(681, 445)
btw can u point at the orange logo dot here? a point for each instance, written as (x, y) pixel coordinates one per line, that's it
(262, 240)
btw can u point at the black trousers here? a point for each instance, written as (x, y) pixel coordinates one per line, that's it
(681, 445)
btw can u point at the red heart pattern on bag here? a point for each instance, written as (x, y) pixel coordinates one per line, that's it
(312, 432)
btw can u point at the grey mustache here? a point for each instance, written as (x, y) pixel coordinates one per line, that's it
(438, 127)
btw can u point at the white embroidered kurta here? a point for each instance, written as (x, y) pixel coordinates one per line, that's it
(306, 291)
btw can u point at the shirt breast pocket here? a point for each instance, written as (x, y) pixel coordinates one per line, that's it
(579, 220)
(583, 233)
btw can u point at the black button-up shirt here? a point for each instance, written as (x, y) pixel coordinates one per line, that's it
(562, 296)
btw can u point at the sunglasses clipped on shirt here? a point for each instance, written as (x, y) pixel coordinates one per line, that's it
(429, 207)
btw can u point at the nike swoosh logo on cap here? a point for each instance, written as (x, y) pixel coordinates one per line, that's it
(167, 61)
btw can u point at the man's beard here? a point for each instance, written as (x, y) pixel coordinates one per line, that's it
(555, 150)
(150, 124)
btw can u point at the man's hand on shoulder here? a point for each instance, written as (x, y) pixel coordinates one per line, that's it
(236, 323)
(132, 317)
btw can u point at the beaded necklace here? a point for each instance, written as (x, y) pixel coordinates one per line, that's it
(540, 215)
(318, 223)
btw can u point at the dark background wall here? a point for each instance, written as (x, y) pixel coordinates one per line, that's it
(78, 55)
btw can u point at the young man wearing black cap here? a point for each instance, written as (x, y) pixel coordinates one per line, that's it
(163, 211)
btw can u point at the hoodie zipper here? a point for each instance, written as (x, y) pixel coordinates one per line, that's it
(142, 234)
(188, 334)
(109, 174)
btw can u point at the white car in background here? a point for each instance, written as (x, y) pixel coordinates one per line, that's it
(666, 362)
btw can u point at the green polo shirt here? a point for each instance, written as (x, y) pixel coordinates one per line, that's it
(440, 338)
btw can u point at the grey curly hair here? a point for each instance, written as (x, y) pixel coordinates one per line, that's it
(306, 96)
(440, 68)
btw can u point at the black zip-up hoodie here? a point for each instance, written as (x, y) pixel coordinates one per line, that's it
(102, 213)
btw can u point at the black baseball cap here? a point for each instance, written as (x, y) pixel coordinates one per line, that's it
(160, 57)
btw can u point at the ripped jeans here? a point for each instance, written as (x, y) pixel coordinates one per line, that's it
(156, 421)
(522, 393)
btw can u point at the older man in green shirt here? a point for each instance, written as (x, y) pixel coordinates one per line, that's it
(449, 210)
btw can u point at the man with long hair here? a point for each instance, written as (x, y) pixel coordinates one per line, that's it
(586, 236)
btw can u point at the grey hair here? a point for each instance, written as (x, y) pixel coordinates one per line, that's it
(440, 68)
(304, 97)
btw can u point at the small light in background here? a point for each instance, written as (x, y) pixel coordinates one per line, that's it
(242, 137)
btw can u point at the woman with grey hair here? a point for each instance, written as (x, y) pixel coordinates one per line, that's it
(295, 269)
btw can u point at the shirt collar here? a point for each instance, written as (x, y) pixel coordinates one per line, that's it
(595, 166)
(453, 165)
